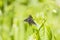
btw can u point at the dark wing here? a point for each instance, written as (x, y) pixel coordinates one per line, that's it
(30, 20)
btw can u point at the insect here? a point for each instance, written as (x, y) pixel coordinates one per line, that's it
(30, 20)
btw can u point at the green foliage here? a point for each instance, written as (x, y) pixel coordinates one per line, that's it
(45, 13)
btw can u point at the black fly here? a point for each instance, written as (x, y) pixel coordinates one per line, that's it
(30, 20)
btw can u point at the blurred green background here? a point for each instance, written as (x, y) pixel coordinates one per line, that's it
(45, 13)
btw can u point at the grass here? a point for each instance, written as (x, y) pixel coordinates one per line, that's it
(45, 13)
